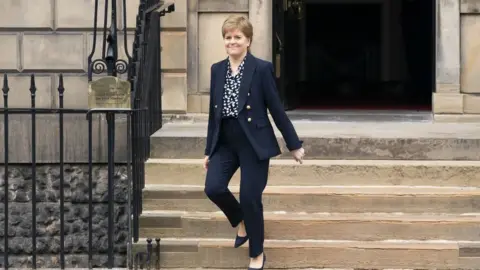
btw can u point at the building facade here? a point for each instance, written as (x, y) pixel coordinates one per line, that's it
(49, 37)
(455, 96)
(53, 37)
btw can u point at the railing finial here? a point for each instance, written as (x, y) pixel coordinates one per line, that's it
(5, 88)
(33, 87)
(61, 88)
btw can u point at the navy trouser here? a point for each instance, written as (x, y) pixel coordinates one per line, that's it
(234, 151)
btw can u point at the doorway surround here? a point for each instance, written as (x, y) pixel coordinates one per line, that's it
(448, 99)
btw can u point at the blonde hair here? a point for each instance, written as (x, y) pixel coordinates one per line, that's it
(239, 22)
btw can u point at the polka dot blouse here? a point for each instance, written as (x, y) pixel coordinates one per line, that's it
(231, 91)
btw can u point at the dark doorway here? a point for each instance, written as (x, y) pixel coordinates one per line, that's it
(349, 62)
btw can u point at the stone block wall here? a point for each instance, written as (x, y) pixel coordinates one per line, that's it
(457, 97)
(49, 37)
(46, 37)
(75, 215)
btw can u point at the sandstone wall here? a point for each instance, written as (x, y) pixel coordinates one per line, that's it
(52, 36)
(49, 37)
(458, 61)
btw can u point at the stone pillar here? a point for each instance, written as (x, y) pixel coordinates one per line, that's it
(192, 46)
(174, 58)
(260, 14)
(447, 100)
(470, 59)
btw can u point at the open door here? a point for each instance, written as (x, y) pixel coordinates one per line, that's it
(278, 49)
(286, 46)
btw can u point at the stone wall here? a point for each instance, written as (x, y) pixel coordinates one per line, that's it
(49, 37)
(48, 139)
(52, 36)
(76, 216)
(457, 93)
(465, 99)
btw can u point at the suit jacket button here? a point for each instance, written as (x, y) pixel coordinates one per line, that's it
(248, 94)
(248, 107)
(215, 106)
(249, 119)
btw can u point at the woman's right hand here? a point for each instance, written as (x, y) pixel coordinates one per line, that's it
(205, 163)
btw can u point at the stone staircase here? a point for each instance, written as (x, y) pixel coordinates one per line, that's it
(391, 195)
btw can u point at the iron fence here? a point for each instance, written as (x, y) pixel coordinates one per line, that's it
(60, 112)
(143, 119)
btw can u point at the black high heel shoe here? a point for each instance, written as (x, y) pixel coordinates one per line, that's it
(240, 240)
(263, 264)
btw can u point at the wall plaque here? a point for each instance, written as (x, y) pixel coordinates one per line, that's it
(109, 92)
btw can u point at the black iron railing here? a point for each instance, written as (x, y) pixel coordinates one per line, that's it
(146, 80)
(60, 112)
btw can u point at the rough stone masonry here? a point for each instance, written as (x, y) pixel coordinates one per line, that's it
(76, 216)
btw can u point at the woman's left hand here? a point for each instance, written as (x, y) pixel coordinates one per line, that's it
(298, 155)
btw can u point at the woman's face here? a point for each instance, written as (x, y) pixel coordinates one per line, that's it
(236, 43)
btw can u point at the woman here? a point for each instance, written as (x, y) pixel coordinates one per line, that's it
(242, 88)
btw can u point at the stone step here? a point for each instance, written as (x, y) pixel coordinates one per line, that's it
(198, 268)
(320, 226)
(288, 254)
(344, 140)
(330, 172)
(329, 199)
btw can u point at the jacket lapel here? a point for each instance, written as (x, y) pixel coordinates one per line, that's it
(248, 71)
(220, 85)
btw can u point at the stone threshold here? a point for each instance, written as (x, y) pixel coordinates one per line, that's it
(350, 129)
(324, 115)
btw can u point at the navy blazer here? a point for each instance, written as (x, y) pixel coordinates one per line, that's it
(258, 91)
